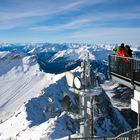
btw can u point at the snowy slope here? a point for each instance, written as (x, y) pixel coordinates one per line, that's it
(20, 80)
(3, 54)
(32, 121)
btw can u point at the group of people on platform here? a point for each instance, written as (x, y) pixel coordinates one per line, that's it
(123, 64)
(123, 50)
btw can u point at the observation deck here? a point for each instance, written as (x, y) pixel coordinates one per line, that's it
(125, 70)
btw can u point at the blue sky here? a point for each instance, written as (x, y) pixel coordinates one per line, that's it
(87, 21)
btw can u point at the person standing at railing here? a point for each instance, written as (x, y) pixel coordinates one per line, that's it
(122, 52)
(115, 49)
(128, 50)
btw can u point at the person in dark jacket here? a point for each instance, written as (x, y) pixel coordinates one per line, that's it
(128, 50)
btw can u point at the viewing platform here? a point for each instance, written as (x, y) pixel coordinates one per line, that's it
(125, 70)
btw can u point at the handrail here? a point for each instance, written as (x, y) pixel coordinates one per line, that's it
(133, 134)
(92, 138)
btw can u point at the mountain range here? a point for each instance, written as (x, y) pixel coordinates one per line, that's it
(33, 87)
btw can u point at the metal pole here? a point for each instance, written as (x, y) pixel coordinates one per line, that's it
(109, 67)
(138, 125)
(92, 129)
(84, 73)
(92, 119)
(132, 73)
(138, 120)
(82, 112)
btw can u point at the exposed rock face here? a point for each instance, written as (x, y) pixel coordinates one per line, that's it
(107, 119)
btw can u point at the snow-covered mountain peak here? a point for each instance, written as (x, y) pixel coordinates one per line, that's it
(73, 54)
(3, 54)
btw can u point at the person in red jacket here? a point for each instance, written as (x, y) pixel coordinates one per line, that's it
(122, 52)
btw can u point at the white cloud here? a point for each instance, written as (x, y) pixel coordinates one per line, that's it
(106, 35)
(93, 19)
(70, 25)
(31, 8)
(38, 10)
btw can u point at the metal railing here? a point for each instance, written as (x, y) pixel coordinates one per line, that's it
(126, 68)
(129, 135)
(133, 134)
(91, 138)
